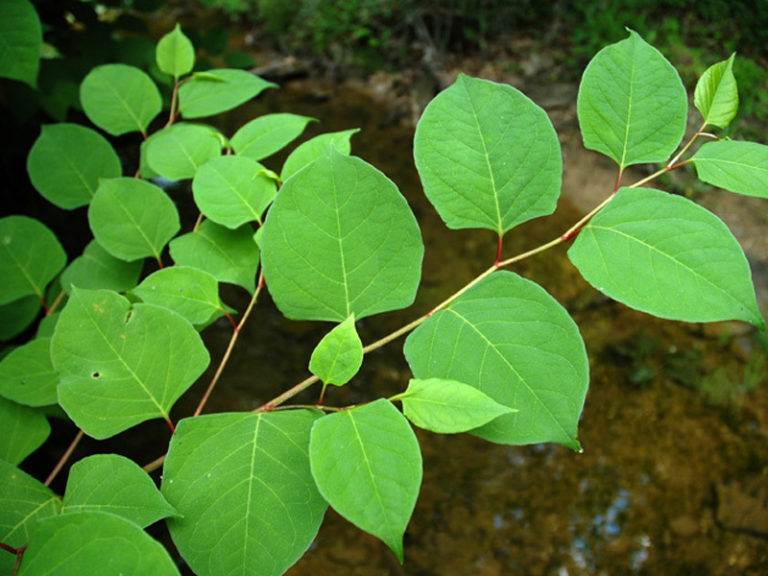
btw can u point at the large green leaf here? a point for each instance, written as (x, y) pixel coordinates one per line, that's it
(27, 375)
(448, 406)
(113, 483)
(488, 157)
(120, 98)
(512, 341)
(339, 355)
(23, 501)
(228, 255)
(716, 95)
(233, 190)
(22, 431)
(30, 257)
(175, 54)
(132, 218)
(120, 366)
(67, 161)
(178, 151)
(191, 293)
(17, 315)
(367, 464)
(340, 239)
(309, 151)
(666, 256)
(93, 543)
(740, 167)
(97, 268)
(21, 41)
(265, 135)
(632, 105)
(242, 485)
(214, 91)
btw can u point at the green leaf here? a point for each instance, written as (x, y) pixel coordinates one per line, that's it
(740, 167)
(21, 41)
(114, 484)
(214, 91)
(132, 218)
(97, 268)
(23, 501)
(242, 485)
(93, 543)
(233, 190)
(488, 157)
(191, 293)
(22, 431)
(367, 464)
(716, 95)
(178, 151)
(120, 99)
(120, 366)
(175, 53)
(312, 149)
(17, 315)
(339, 355)
(448, 406)
(67, 161)
(340, 239)
(227, 255)
(666, 256)
(30, 257)
(632, 105)
(511, 340)
(267, 134)
(27, 375)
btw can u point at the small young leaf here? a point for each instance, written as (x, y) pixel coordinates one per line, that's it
(312, 149)
(175, 54)
(22, 431)
(132, 218)
(114, 484)
(27, 375)
(227, 255)
(267, 134)
(178, 151)
(339, 355)
(488, 156)
(666, 256)
(30, 257)
(367, 464)
(191, 293)
(716, 95)
(120, 99)
(93, 543)
(632, 105)
(340, 239)
(740, 167)
(16, 316)
(22, 37)
(511, 340)
(233, 190)
(242, 486)
(215, 91)
(448, 406)
(67, 161)
(119, 365)
(23, 501)
(97, 268)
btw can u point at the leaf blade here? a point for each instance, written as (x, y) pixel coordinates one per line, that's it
(740, 167)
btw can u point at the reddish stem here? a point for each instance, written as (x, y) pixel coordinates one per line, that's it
(498, 250)
(170, 425)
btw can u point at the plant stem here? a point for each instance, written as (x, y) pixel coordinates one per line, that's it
(154, 465)
(55, 303)
(64, 458)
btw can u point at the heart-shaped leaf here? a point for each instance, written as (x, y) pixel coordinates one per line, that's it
(339, 355)
(666, 256)
(120, 366)
(97, 268)
(242, 486)
(632, 105)
(178, 151)
(515, 343)
(22, 431)
(17, 315)
(716, 95)
(340, 239)
(27, 375)
(488, 156)
(23, 501)
(67, 161)
(214, 91)
(740, 167)
(309, 151)
(175, 54)
(265, 135)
